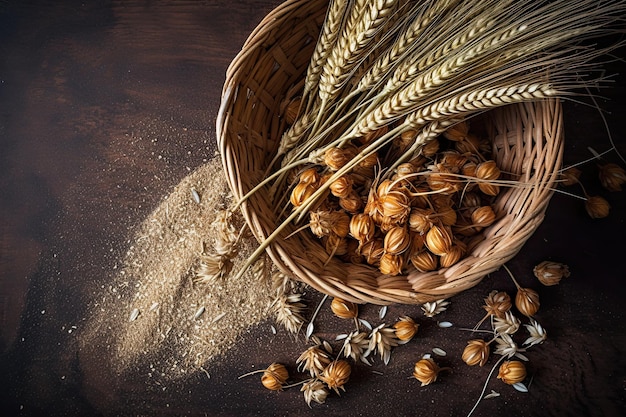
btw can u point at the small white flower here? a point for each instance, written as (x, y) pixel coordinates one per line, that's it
(355, 346)
(508, 324)
(314, 390)
(381, 340)
(433, 308)
(505, 346)
(537, 333)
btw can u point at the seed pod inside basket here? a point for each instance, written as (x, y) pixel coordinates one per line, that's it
(486, 171)
(439, 239)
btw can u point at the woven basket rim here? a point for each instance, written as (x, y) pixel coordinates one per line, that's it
(248, 125)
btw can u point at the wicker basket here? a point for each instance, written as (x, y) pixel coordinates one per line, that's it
(527, 140)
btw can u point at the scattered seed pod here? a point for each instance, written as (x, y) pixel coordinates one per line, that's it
(336, 375)
(612, 176)
(597, 207)
(274, 377)
(527, 301)
(476, 352)
(512, 372)
(301, 192)
(426, 371)
(405, 328)
(570, 176)
(550, 273)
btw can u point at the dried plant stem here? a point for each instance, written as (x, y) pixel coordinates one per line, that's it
(511, 275)
(480, 397)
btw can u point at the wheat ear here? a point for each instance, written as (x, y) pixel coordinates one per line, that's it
(327, 39)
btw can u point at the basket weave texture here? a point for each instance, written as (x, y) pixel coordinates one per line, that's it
(527, 140)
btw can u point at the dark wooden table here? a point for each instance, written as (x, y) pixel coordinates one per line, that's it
(106, 105)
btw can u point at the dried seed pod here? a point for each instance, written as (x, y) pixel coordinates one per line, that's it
(512, 372)
(476, 352)
(340, 223)
(439, 240)
(342, 186)
(344, 309)
(453, 160)
(274, 377)
(336, 158)
(405, 169)
(368, 161)
(550, 273)
(457, 132)
(314, 390)
(612, 176)
(469, 169)
(336, 245)
(336, 375)
(597, 207)
(426, 371)
(471, 144)
(420, 220)
(396, 206)
(430, 148)
(351, 203)
(527, 301)
(397, 240)
(570, 176)
(424, 261)
(301, 192)
(487, 171)
(405, 140)
(321, 222)
(471, 200)
(454, 255)
(309, 176)
(443, 182)
(391, 264)
(362, 227)
(483, 216)
(376, 134)
(497, 303)
(373, 251)
(405, 328)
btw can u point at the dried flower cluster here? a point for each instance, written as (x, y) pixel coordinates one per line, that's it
(422, 217)
(504, 329)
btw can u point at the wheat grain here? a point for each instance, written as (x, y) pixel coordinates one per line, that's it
(327, 39)
(478, 101)
(351, 47)
(422, 18)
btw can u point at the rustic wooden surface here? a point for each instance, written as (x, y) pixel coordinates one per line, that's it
(106, 105)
